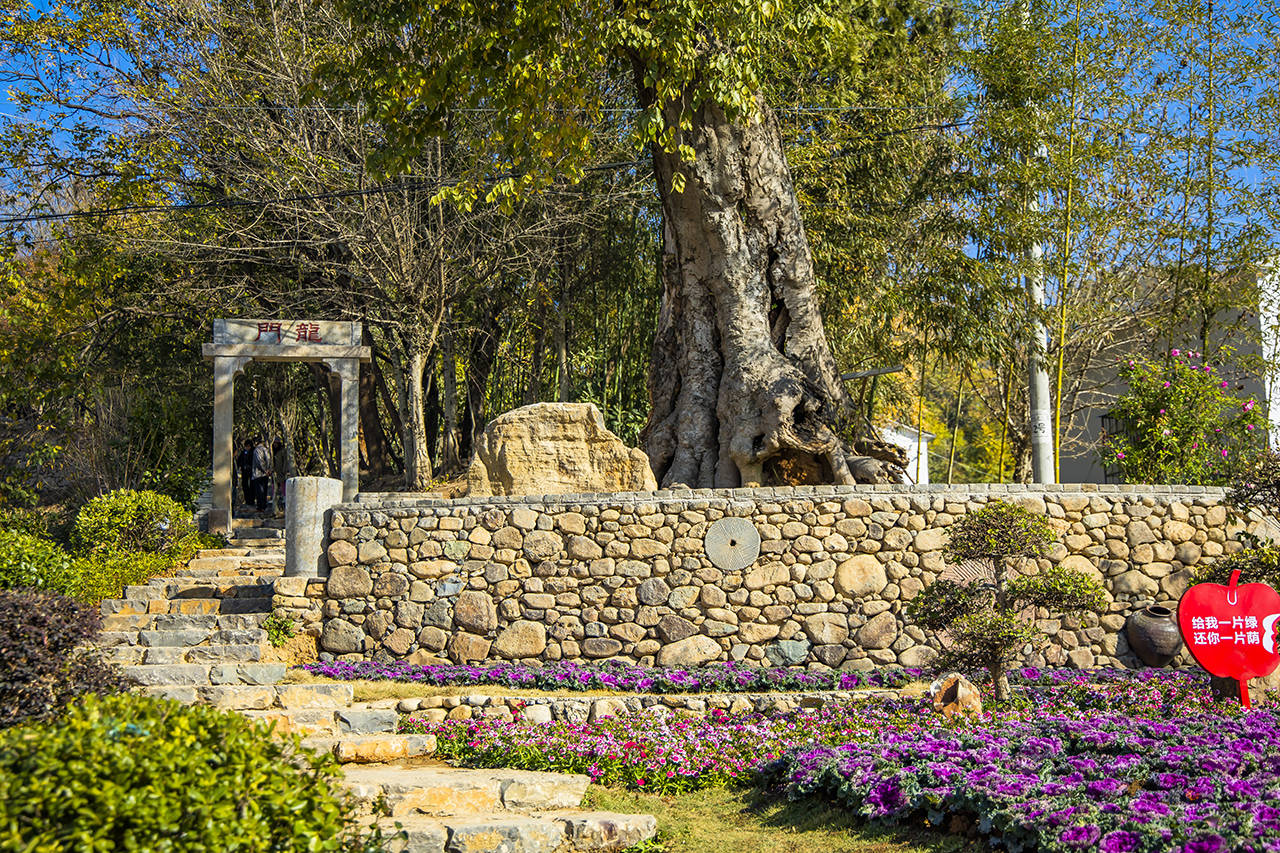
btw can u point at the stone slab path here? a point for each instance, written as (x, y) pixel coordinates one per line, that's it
(196, 637)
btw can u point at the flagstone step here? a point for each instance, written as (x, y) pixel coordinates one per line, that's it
(449, 791)
(199, 565)
(588, 832)
(198, 674)
(180, 622)
(374, 748)
(258, 604)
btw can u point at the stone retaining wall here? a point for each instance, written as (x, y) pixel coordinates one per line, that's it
(537, 708)
(590, 577)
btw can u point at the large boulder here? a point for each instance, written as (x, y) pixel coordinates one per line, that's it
(555, 448)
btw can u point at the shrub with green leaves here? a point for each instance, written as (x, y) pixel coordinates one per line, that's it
(129, 521)
(103, 576)
(1181, 422)
(134, 773)
(28, 561)
(979, 623)
(45, 644)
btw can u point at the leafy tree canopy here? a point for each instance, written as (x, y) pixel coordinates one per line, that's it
(549, 71)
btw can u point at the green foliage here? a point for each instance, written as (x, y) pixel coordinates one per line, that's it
(1056, 588)
(981, 622)
(130, 521)
(280, 629)
(105, 575)
(44, 640)
(134, 773)
(1182, 423)
(36, 563)
(548, 95)
(997, 532)
(1257, 484)
(945, 602)
(1257, 564)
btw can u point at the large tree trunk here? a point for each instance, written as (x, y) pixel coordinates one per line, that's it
(450, 462)
(743, 385)
(481, 353)
(417, 456)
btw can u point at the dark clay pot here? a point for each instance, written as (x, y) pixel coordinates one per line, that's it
(1154, 636)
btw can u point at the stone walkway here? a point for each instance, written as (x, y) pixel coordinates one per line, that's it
(197, 637)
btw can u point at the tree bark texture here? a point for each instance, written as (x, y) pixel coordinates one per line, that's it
(417, 456)
(743, 385)
(450, 462)
(481, 353)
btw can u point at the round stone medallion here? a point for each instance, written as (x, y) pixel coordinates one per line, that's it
(732, 543)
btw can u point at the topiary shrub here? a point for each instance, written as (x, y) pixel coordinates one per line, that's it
(125, 520)
(135, 773)
(43, 640)
(105, 575)
(28, 561)
(980, 621)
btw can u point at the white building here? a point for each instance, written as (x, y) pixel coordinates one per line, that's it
(916, 445)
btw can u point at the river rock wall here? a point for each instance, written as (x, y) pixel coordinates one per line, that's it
(635, 576)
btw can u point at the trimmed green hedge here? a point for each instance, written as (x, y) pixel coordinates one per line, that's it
(35, 562)
(129, 521)
(134, 773)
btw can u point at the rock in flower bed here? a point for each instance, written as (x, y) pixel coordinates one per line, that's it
(1198, 783)
(669, 753)
(626, 678)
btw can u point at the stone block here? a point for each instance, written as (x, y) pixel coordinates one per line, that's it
(521, 639)
(348, 582)
(366, 721)
(341, 637)
(691, 651)
(475, 611)
(861, 575)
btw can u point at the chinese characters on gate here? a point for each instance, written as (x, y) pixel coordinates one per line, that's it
(1205, 630)
(303, 332)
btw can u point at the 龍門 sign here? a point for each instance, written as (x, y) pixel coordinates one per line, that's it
(286, 333)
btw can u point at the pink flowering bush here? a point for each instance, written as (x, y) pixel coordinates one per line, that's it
(1181, 423)
(668, 753)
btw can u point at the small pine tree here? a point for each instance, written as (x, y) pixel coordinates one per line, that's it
(981, 621)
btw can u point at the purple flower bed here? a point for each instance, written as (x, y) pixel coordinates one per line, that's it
(1114, 761)
(562, 675)
(1197, 783)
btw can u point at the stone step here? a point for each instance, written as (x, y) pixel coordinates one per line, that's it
(196, 587)
(201, 674)
(178, 622)
(258, 604)
(209, 553)
(256, 690)
(451, 791)
(256, 523)
(257, 534)
(375, 748)
(258, 543)
(231, 564)
(587, 832)
(202, 654)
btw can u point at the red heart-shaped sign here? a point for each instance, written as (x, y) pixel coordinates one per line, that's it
(1231, 629)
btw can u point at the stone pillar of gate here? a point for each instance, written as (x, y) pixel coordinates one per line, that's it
(225, 371)
(348, 371)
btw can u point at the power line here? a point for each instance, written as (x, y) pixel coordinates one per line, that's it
(231, 203)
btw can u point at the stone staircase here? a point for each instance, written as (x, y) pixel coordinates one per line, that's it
(202, 626)
(447, 810)
(197, 637)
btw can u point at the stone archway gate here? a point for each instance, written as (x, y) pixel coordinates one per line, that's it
(238, 342)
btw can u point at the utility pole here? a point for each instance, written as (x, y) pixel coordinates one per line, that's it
(1042, 469)
(1041, 401)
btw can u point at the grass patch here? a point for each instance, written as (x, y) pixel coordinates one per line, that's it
(745, 820)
